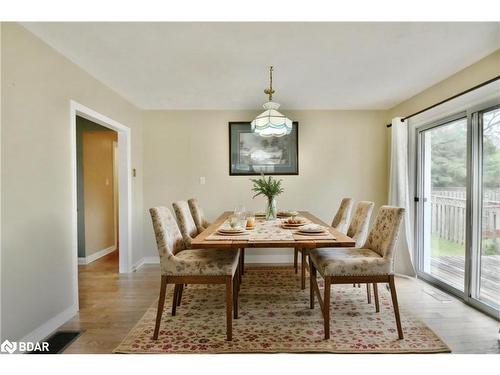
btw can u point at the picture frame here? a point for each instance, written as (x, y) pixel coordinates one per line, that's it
(251, 154)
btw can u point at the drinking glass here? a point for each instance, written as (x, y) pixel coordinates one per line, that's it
(250, 220)
(234, 221)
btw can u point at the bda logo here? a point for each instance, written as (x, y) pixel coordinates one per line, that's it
(8, 347)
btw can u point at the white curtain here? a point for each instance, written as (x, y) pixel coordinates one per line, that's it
(399, 195)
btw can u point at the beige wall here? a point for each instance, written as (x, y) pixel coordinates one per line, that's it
(341, 153)
(98, 187)
(479, 72)
(37, 86)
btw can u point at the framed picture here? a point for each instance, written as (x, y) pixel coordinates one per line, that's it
(251, 154)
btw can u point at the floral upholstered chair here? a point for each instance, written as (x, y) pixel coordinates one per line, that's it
(181, 266)
(340, 222)
(198, 216)
(372, 263)
(358, 230)
(341, 219)
(186, 223)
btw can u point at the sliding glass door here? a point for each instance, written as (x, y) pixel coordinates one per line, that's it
(458, 209)
(488, 273)
(444, 185)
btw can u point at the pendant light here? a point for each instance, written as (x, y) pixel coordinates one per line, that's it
(271, 123)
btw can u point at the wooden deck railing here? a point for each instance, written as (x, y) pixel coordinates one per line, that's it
(448, 214)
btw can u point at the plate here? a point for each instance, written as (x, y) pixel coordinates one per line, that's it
(324, 233)
(231, 230)
(292, 226)
(312, 228)
(302, 222)
(229, 233)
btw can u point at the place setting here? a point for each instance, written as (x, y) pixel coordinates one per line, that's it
(313, 230)
(240, 223)
(294, 222)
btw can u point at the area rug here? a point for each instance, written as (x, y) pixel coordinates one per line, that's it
(275, 318)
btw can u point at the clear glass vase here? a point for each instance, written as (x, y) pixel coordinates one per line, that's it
(271, 210)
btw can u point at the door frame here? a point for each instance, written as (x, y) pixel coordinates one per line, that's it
(473, 207)
(124, 187)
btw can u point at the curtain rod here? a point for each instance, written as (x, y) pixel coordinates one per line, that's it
(450, 98)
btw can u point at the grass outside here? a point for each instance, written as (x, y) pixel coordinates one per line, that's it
(442, 247)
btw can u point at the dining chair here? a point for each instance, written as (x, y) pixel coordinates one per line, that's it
(372, 263)
(341, 218)
(181, 266)
(358, 230)
(185, 221)
(340, 221)
(189, 230)
(198, 215)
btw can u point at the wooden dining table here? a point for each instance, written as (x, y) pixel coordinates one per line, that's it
(338, 239)
(287, 238)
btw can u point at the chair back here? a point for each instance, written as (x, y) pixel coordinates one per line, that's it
(358, 229)
(384, 233)
(198, 216)
(185, 221)
(168, 237)
(341, 219)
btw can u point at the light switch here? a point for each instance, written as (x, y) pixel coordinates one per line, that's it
(202, 180)
(107, 181)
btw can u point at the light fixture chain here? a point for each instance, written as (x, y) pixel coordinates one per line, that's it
(269, 91)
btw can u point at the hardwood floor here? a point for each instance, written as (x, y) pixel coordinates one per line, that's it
(111, 304)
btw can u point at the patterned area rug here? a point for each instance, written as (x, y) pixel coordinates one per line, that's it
(275, 317)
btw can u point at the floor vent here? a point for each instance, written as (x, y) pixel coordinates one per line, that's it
(440, 296)
(58, 342)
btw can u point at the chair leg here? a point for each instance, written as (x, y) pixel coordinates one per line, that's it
(161, 304)
(312, 280)
(175, 299)
(179, 295)
(236, 287)
(395, 306)
(375, 294)
(326, 307)
(229, 308)
(303, 269)
(296, 260)
(369, 293)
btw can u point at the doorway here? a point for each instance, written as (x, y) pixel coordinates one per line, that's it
(122, 179)
(97, 191)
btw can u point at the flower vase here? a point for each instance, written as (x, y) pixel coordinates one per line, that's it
(271, 210)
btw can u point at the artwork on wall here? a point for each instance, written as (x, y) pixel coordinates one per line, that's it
(251, 154)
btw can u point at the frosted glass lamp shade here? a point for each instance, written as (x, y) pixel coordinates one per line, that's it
(271, 123)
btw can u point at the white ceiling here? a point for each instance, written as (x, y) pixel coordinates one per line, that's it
(224, 65)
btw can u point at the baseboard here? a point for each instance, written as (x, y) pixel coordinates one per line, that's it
(270, 258)
(285, 258)
(99, 254)
(51, 325)
(145, 260)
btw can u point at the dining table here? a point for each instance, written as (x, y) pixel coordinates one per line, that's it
(271, 234)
